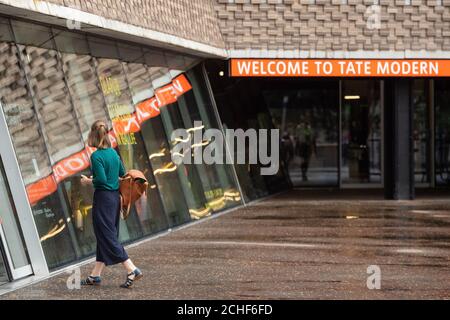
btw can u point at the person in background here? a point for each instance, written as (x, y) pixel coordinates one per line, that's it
(106, 169)
(306, 146)
(287, 150)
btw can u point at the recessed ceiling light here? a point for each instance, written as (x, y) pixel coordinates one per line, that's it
(221, 73)
(352, 97)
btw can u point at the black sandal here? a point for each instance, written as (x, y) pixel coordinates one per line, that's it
(91, 281)
(129, 282)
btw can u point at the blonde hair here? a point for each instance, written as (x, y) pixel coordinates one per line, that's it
(98, 136)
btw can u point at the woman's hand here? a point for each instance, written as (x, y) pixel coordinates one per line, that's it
(85, 180)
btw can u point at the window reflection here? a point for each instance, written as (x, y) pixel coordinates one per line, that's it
(20, 115)
(187, 173)
(157, 147)
(32, 34)
(114, 84)
(219, 186)
(33, 158)
(241, 104)
(59, 126)
(55, 84)
(89, 105)
(51, 97)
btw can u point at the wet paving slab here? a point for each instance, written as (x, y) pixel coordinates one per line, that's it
(286, 247)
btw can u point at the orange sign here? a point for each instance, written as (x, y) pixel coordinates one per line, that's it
(79, 161)
(338, 68)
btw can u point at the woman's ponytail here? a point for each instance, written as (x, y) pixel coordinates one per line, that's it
(98, 136)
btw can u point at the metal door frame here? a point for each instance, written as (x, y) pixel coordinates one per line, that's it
(38, 264)
(16, 273)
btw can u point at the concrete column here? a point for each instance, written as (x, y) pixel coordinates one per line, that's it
(399, 154)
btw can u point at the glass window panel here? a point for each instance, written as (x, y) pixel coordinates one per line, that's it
(442, 132)
(178, 63)
(361, 131)
(139, 81)
(61, 132)
(53, 103)
(85, 91)
(131, 53)
(421, 133)
(9, 223)
(170, 120)
(89, 106)
(261, 114)
(31, 151)
(206, 114)
(207, 193)
(154, 58)
(71, 42)
(243, 104)
(5, 30)
(149, 217)
(55, 228)
(306, 114)
(158, 148)
(215, 182)
(32, 34)
(187, 173)
(20, 114)
(157, 68)
(103, 48)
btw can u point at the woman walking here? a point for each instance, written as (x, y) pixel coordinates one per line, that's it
(106, 169)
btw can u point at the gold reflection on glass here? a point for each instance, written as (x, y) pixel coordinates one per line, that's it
(232, 195)
(217, 203)
(201, 144)
(199, 213)
(161, 153)
(195, 128)
(177, 140)
(54, 231)
(170, 167)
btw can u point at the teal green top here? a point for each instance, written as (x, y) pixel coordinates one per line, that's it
(106, 169)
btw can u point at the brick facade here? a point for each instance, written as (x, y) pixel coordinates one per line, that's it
(189, 19)
(335, 25)
(289, 25)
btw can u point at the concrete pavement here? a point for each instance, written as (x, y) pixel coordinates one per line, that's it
(287, 247)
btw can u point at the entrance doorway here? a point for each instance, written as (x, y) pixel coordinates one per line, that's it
(361, 132)
(331, 130)
(306, 112)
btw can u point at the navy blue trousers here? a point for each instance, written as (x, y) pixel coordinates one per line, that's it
(106, 218)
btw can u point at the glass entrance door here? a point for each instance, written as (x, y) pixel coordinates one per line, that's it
(422, 134)
(306, 113)
(14, 261)
(361, 132)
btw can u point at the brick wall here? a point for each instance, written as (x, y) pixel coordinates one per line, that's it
(335, 25)
(319, 25)
(189, 19)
